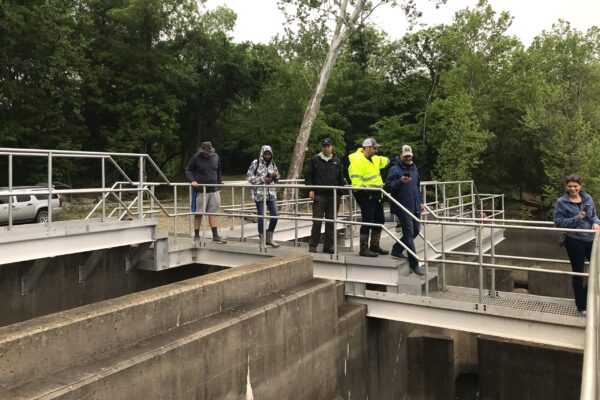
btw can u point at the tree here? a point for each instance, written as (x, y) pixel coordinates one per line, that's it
(348, 17)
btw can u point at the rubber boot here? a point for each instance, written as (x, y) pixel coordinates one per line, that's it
(375, 237)
(270, 240)
(364, 247)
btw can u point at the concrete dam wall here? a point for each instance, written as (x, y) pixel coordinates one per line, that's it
(262, 331)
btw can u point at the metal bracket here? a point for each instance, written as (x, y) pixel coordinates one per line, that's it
(29, 280)
(90, 264)
(134, 255)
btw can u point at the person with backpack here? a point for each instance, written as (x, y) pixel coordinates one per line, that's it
(263, 172)
(324, 169)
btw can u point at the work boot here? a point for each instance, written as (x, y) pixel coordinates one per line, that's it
(364, 247)
(312, 249)
(375, 236)
(270, 240)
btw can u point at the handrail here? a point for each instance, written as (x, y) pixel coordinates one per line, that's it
(589, 376)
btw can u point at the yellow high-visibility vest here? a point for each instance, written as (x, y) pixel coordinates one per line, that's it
(364, 172)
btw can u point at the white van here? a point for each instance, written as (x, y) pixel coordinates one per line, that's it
(30, 207)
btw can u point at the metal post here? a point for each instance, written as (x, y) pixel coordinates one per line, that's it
(335, 245)
(493, 250)
(10, 185)
(351, 206)
(473, 200)
(175, 211)
(436, 197)
(202, 215)
(120, 198)
(480, 245)
(264, 217)
(232, 207)
(152, 198)
(443, 257)
(460, 201)
(243, 221)
(445, 214)
(103, 187)
(502, 206)
(190, 216)
(49, 188)
(296, 215)
(425, 257)
(141, 189)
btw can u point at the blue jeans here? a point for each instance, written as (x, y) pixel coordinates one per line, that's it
(371, 210)
(410, 230)
(272, 206)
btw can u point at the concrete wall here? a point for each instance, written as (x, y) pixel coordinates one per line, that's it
(511, 370)
(59, 289)
(269, 329)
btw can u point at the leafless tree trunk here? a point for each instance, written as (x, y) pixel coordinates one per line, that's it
(345, 26)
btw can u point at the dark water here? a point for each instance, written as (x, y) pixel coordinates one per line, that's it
(467, 387)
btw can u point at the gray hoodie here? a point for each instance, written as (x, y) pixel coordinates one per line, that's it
(257, 175)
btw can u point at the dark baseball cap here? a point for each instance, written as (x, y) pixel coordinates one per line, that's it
(327, 142)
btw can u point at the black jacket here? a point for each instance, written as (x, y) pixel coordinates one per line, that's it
(203, 169)
(325, 173)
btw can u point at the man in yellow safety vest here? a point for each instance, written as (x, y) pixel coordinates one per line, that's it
(364, 171)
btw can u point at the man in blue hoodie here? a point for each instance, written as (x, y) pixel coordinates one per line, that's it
(403, 183)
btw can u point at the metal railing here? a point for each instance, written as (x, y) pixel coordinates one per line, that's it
(447, 205)
(590, 389)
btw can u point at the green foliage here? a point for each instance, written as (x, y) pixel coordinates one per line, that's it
(455, 133)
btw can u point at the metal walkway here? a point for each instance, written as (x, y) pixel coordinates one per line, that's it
(459, 228)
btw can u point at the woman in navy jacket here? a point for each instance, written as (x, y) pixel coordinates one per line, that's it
(575, 209)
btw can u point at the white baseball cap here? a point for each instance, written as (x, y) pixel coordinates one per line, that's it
(406, 151)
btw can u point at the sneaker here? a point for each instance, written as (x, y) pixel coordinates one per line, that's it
(219, 239)
(583, 313)
(312, 249)
(398, 255)
(418, 270)
(328, 250)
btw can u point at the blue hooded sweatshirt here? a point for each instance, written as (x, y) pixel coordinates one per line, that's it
(409, 195)
(566, 215)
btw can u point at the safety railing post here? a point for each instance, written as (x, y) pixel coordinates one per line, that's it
(425, 255)
(190, 216)
(264, 220)
(351, 207)
(232, 207)
(202, 216)
(473, 214)
(49, 188)
(296, 216)
(480, 248)
(335, 241)
(141, 189)
(175, 212)
(443, 270)
(103, 187)
(10, 187)
(460, 201)
(242, 219)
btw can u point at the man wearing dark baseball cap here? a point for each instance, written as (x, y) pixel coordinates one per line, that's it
(324, 170)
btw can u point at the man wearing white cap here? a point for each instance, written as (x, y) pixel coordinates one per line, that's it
(403, 183)
(364, 171)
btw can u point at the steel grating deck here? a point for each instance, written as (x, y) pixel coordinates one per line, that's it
(556, 308)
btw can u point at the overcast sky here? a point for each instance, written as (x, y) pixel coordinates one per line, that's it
(259, 20)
